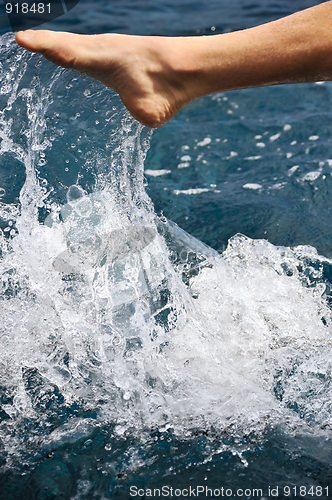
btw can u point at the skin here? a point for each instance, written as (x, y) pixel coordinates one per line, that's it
(156, 76)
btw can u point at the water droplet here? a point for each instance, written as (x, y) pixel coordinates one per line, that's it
(117, 340)
(74, 193)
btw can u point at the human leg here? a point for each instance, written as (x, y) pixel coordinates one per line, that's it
(157, 76)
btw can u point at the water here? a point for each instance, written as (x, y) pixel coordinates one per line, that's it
(132, 353)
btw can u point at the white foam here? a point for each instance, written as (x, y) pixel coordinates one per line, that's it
(105, 307)
(252, 185)
(293, 169)
(204, 142)
(191, 191)
(275, 137)
(157, 173)
(311, 176)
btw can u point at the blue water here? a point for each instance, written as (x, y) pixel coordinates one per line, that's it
(256, 162)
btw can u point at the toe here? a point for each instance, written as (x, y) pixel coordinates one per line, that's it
(53, 45)
(37, 41)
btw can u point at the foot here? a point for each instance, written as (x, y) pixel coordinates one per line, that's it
(149, 73)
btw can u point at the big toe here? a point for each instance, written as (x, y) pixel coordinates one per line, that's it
(55, 46)
(37, 41)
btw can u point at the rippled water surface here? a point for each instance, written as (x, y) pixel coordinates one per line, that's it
(134, 353)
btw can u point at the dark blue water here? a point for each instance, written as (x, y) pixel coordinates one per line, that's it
(256, 162)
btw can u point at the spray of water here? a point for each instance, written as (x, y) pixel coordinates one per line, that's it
(111, 315)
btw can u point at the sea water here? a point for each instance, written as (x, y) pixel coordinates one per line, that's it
(132, 353)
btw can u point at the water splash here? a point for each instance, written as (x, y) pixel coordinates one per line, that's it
(111, 316)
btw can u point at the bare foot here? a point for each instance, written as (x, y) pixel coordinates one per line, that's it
(143, 70)
(157, 76)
